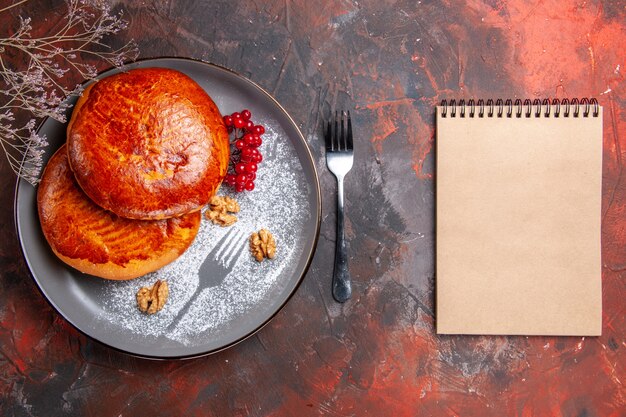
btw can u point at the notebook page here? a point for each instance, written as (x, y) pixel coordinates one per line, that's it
(518, 225)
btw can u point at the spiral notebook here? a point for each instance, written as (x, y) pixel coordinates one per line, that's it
(518, 217)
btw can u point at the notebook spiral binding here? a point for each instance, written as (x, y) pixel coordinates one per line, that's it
(527, 108)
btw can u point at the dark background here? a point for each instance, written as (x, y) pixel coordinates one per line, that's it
(390, 63)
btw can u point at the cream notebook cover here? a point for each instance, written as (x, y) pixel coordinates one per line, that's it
(518, 218)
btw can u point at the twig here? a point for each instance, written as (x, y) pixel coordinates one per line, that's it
(39, 88)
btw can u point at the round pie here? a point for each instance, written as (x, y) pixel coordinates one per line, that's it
(148, 144)
(98, 242)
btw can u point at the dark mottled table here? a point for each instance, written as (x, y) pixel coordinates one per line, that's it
(390, 62)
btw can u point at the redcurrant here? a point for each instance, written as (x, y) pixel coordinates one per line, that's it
(238, 122)
(245, 156)
(249, 139)
(240, 168)
(241, 179)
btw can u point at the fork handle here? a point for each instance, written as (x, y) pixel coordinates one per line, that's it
(342, 287)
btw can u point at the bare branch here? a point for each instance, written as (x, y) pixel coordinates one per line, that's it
(40, 88)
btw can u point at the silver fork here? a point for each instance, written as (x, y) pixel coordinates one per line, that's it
(339, 157)
(215, 267)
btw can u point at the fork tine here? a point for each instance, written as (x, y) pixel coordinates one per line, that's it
(342, 136)
(334, 137)
(339, 138)
(349, 144)
(328, 137)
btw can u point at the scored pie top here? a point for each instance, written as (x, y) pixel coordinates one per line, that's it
(148, 144)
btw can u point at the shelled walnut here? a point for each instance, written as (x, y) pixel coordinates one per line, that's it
(262, 245)
(152, 299)
(220, 208)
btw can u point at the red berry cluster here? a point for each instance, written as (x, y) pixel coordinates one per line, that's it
(244, 155)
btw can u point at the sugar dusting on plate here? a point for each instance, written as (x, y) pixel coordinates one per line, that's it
(279, 204)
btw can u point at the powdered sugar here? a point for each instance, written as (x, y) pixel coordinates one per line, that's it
(279, 204)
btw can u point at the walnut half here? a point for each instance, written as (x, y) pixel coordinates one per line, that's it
(262, 245)
(152, 299)
(220, 208)
(224, 203)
